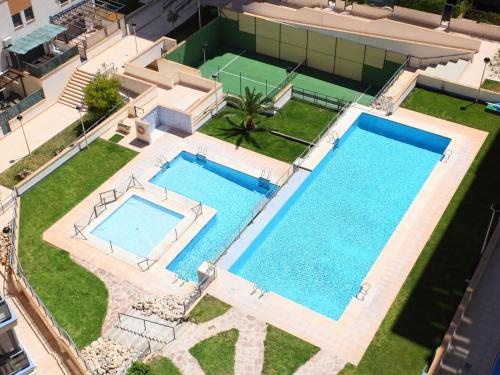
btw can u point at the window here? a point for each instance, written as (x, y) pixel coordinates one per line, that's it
(16, 20)
(28, 14)
(63, 2)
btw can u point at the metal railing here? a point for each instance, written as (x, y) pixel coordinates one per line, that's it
(145, 323)
(318, 98)
(39, 70)
(20, 107)
(16, 268)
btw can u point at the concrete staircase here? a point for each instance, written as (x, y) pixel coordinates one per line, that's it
(144, 333)
(450, 71)
(73, 92)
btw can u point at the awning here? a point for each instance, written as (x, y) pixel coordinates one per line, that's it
(41, 35)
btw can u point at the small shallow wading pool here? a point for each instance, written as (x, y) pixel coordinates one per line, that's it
(137, 226)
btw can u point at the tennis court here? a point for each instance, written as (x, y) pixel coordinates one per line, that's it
(244, 51)
(239, 69)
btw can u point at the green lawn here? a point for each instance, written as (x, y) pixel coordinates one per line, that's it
(422, 311)
(489, 84)
(48, 150)
(207, 309)
(285, 353)
(76, 297)
(216, 354)
(164, 366)
(297, 118)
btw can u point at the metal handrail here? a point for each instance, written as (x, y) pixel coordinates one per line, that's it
(144, 321)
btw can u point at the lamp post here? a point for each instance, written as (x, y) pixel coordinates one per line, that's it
(20, 119)
(135, 36)
(79, 108)
(486, 61)
(199, 15)
(214, 77)
(205, 46)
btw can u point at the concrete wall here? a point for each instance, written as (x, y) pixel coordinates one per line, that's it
(283, 97)
(468, 92)
(462, 25)
(151, 76)
(103, 44)
(396, 36)
(154, 52)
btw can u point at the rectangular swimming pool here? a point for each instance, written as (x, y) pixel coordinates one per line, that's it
(232, 193)
(321, 244)
(137, 225)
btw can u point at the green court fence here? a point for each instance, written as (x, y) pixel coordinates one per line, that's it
(319, 99)
(342, 58)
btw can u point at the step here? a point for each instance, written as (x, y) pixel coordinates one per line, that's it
(81, 80)
(70, 102)
(74, 89)
(85, 74)
(71, 95)
(77, 83)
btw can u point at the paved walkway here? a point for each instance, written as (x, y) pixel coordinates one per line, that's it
(38, 131)
(476, 341)
(32, 334)
(249, 357)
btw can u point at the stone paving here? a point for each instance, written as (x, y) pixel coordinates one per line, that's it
(121, 293)
(249, 357)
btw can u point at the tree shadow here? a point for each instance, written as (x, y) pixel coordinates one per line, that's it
(433, 301)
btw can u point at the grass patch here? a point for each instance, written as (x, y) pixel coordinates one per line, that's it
(285, 353)
(115, 138)
(49, 149)
(297, 118)
(424, 307)
(216, 354)
(207, 309)
(76, 297)
(164, 366)
(491, 85)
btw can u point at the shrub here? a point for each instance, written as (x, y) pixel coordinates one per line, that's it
(140, 368)
(102, 94)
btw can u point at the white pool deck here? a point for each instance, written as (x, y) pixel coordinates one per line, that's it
(347, 338)
(157, 280)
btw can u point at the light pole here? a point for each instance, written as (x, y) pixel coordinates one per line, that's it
(486, 62)
(79, 108)
(20, 119)
(205, 46)
(135, 37)
(214, 77)
(199, 14)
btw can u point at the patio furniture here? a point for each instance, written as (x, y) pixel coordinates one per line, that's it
(493, 107)
(122, 128)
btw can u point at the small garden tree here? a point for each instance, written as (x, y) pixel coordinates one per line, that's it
(102, 94)
(251, 106)
(140, 368)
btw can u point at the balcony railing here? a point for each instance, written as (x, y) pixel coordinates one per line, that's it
(39, 70)
(17, 363)
(5, 314)
(20, 107)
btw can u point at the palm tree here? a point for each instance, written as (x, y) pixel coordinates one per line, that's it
(172, 17)
(251, 106)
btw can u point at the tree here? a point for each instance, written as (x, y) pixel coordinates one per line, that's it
(251, 106)
(102, 94)
(172, 17)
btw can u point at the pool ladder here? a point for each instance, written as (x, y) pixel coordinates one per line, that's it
(162, 162)
(333, 138)
(202, 153)
(446, 156)
(260, 292)
(363, 291)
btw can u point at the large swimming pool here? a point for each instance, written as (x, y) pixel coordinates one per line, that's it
(320, 246)
(232, 193)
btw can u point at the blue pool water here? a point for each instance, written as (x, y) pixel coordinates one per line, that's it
(233, 194)
(137, 226)
(319, 247)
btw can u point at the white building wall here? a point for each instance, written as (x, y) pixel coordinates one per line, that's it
(42, 10)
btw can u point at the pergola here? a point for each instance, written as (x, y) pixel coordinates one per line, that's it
(87, 15)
